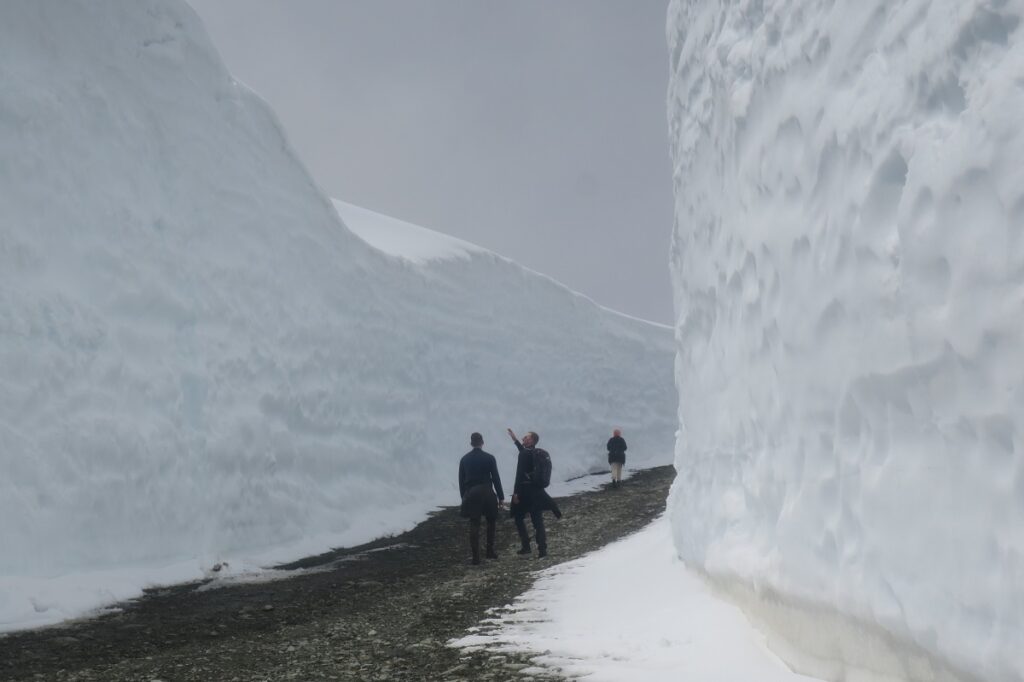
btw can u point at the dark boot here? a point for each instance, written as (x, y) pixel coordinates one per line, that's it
(490, 541)
(542, 552)
(524, 537)
(474, 540)
(539, 533)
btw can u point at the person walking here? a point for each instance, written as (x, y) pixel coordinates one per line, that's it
(529, 496)
(616, 456)
(480, 488)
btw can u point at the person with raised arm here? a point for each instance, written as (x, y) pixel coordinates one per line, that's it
(533, 474)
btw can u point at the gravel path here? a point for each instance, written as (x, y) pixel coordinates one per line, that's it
(381, 611)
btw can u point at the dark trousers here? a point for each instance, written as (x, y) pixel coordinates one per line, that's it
(537, 519)
(474, 536)
(480, 501)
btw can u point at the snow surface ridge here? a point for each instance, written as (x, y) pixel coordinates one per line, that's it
(199, 362)
(423, 246)
(848, 262)
(399, 238)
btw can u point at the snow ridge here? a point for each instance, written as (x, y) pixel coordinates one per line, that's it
(398, 238)
(848, 264)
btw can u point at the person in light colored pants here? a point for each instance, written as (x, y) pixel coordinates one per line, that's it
(616, 472)
(616, 456)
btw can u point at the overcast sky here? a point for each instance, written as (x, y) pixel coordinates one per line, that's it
(534, 128)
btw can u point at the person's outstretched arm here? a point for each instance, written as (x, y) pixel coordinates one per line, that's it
(515, 440)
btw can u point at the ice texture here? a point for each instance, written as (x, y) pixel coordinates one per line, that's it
(848, 265)
(200, 363)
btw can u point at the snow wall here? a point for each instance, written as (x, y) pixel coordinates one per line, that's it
(199, 362)
(848, 263)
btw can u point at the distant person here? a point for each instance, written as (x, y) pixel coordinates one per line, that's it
(480, 488)
(533, 473)
(616, 456)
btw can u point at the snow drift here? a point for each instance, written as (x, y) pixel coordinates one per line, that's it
(200, 362)
(848, 264)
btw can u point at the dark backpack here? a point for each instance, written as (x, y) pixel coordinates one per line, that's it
(541, 468)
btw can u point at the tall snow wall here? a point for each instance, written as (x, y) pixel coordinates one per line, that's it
(848, 264)
(199, 362)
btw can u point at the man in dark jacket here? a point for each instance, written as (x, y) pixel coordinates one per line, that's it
(616, 456)
(478, 482)
(529, 496)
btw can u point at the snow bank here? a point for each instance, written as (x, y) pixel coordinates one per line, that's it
(200, 363)
(667, 625)
(848, 264)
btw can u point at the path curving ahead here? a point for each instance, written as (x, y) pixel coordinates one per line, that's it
(380, 611)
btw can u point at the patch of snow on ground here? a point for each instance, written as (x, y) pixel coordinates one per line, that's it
(632, 611)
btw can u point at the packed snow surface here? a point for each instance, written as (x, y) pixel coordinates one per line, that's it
(848, 263)
(199, 363)
(631, 611)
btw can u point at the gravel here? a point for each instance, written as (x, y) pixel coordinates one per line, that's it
(381, 611)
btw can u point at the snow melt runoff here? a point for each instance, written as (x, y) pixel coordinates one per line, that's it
(199, 363)
(848, 261)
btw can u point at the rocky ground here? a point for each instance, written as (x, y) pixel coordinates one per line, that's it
(382, 611)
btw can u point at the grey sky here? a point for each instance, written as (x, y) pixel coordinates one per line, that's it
(534, 128)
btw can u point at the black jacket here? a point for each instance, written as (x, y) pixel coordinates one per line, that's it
(477, 468)
(616, 450)
(532, 497)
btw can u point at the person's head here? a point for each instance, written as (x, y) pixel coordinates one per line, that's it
(530, 439)
(617, 432)
(476, 440)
